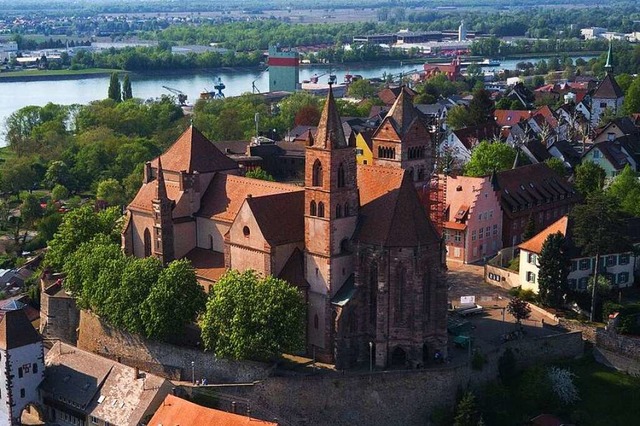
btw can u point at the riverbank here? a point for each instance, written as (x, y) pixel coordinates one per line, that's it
(43, 75)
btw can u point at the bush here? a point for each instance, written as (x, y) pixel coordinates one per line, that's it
(514, 264)
(526, 295)
(609, 308)
(507, 365)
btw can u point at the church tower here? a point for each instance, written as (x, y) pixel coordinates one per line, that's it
(331, 211)
(608, 96)
(403, 141)
(162, 220)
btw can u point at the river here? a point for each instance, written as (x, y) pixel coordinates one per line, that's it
(16, 95)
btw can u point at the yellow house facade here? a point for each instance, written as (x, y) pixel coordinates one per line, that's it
(364, 155)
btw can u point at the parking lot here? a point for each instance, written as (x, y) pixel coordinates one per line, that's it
(490, 327)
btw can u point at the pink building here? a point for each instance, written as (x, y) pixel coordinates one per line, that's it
(473, 220)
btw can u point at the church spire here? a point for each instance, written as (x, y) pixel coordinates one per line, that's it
(330, 134)
(608, 67)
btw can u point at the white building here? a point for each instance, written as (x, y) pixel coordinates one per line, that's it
(618, 267)
(592, 33)
(8, 49)
(21, 366)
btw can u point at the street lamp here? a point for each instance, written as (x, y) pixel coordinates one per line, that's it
(370, 357)
(193, 372)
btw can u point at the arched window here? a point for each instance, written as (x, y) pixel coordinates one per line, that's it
(320, 209)
(317, 173)
(344, 246)
(339, 211)
(315, 321)
(346, 210)
(400, 289)
(373, 295)
(341, 176)
(147, 243)
(210, 242)
(312, 208)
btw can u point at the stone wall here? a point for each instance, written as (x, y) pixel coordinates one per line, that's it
(391, 397)
(163, 359)
(59, 316)
(588, 331)
(626, 346)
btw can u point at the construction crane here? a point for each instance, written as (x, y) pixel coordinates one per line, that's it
(254, 88)
(398, 77)
(219, 86)
(182, 97)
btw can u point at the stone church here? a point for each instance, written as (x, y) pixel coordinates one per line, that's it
(355, 239)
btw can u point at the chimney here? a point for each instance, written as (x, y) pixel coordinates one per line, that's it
(136, 372)
(147, 172)
(233, 407)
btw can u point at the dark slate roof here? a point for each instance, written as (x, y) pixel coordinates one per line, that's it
(16, 330)
(608, 89)
(471, 136)
(612, 152)
(346, 292)
(536, 151)
(402, 114)
(525, 187)
(567, 150)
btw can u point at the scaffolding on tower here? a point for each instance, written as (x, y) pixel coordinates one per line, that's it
(435, 190)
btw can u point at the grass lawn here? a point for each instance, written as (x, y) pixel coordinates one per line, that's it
(607, 397)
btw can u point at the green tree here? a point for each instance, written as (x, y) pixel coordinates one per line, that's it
(259, 173)
(111, 192)
(173, 302)
(59, 192)
(598, 229)
(19, 175)
(481, 107)
(589, 178)
(467, 411)
(48, 226)
(361, 89)
(139, 276)
(114, 88)
(553, 272)
(557, 165)
(519, 309)
(81, 225)
(631, 102)
(487, 157)
(459, 117)
(251, 317)
(126, 88)
(625, 188)
(58, 173)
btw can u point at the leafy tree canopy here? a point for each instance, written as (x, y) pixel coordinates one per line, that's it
(487, 157)
(589, 178)
(253, 317)
(553, 272)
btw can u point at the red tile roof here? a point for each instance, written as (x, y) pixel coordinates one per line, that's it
(147, 193)
(226, 193)
(330, 133)
(608, 89)
(391, 214)
(175, 411)
(208, 264)
(548, 115)
(280, 217)
(471, 136)
(194, 152)
(534, 244)
(390, 94)
(508, 117)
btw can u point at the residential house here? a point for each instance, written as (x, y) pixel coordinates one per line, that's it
(619, 268)
(616, 128)
(176, 411)
(81, 388)
(610, 156)
(510, 117)
(389, 95)
(462, 141)
(349, 229)
(473, 223)
(531, 192)
(566, 152)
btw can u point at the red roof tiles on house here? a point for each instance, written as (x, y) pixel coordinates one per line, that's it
(509, 117)
(534, 244)
(175, 411)
(280, 217)
(208, 264)
(608, 89)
